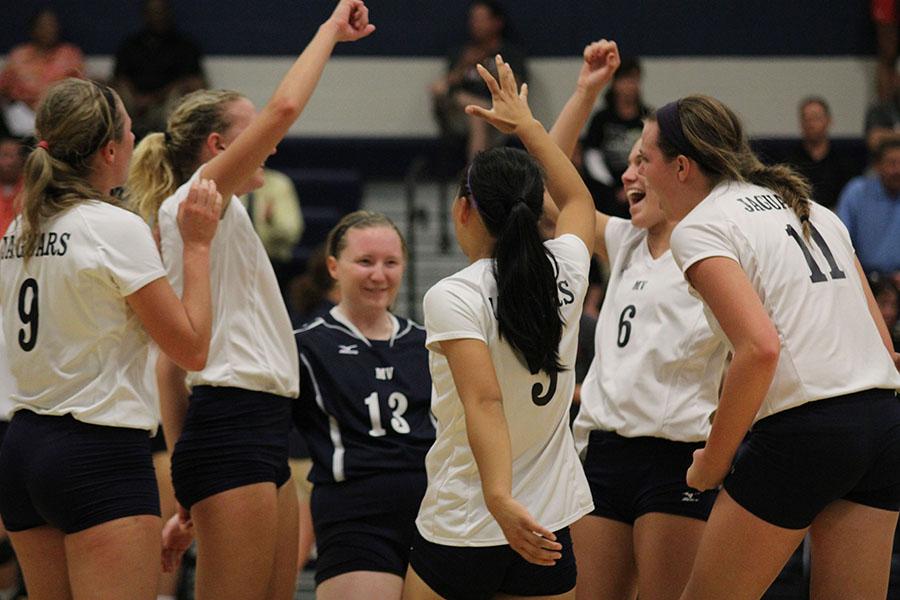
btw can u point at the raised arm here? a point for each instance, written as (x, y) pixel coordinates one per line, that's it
(510, 114)
(488, 433)
(601, 59)
(182, 327)
(231, 168)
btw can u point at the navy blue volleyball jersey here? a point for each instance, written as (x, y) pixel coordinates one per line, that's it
(365, 405)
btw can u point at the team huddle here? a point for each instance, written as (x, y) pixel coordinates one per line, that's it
(743, 391)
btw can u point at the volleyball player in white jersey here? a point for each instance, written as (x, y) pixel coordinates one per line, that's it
(82, 284)
(9, 570)
(813, 370)
(230, 461)
(649, 393)
(504, 481)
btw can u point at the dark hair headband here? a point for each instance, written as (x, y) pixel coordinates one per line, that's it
(669, 120)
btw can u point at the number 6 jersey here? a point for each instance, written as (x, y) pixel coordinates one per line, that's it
(657, 365)
(364, 404)
(74, 345)
(810, 288)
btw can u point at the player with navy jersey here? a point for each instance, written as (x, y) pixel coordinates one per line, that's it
(649, 393)
(364, 411)
(393, 371)
(813, 374)
(82, 285)
(504, 480)
(231, 453)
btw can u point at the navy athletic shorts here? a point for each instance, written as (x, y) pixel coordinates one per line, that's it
(366, 524)
(71, 475)
(794, 463)
(231, 438)
(475, 573)
(158, 442)
(630, 477)
(4, 425)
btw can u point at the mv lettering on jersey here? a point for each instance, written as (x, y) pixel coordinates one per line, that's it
(348, 349)
(638, 285)
(384, 373)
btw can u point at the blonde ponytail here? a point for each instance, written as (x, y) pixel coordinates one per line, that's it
(164, 161)
(74, 120)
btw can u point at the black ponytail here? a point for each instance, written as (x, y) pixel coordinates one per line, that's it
(507, 187)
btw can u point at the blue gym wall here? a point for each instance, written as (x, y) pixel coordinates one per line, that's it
(415, 28)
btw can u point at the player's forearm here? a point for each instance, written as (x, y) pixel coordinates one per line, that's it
(173, 398)
(571, 120)
(563, 181)
(488, 435)
(743, 390)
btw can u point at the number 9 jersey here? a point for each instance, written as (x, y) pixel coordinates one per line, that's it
(364, 405)
(810, 288)
(74, 345)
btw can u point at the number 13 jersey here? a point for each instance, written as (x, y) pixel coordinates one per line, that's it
(74, 345)
(364, 405)
(811, 290)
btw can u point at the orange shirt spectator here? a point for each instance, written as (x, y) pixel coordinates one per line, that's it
(35, 65)
(12, 165)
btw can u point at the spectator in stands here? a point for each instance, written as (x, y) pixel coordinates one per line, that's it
(884, 17)
(32, 67)
(870, 208)
(815, 156)
(155, 66)
(883, 118)
(888, 298)
(611, 134)
(275, 211)
(461, 85)
(12, 168)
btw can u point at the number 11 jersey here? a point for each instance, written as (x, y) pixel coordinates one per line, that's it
(811, 290)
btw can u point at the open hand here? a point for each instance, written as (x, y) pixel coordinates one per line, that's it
(601, 59)
(177, 536)
(705, 474)
(510, 106)
(532, 541)
(351, 20)
(199, 214)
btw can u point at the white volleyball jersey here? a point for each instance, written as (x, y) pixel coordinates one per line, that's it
(657, 364)
(151, 385)
(252, 345)
(74, 345)
(547, 477)
(7, 381)
(811, 290)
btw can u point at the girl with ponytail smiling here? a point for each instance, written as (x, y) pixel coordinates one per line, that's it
(813, 374)
(504, 481)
